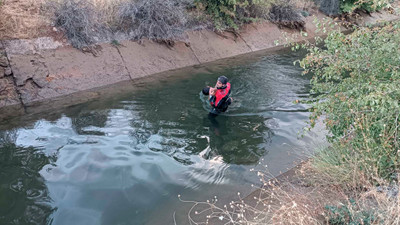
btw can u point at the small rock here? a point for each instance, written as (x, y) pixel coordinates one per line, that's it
(2, 71)
(391, 191)
(44, 43)
(8, 71)
(3, 61)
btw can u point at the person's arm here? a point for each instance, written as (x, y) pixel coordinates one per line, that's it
(213, 92)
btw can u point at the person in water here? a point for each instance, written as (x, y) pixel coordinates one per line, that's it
(219, 95)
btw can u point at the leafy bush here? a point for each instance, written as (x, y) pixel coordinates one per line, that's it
(348, 6)
(335, 7)
(357, 79)
(232, 13)
(343, 215)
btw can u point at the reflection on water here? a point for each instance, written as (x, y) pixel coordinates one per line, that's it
(88, 119)
(24, 197)
(124, 159)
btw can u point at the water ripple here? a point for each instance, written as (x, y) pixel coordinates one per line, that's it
(114, 161)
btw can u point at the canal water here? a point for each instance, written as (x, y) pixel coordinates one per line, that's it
(124, 156)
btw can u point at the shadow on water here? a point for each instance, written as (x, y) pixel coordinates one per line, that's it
(242, 140)
(24, 197)
(90, 119)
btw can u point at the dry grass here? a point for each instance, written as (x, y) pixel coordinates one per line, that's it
(108, 9)
(88, 22)
(305, 196)
(22, 19)
(286, 16)
(362, 200)
(294, 198)
(289, 199)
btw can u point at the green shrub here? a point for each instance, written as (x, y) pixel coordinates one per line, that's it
(344, 215)
(348, 6)
(335, 7)
(232, 13)
(356, 80)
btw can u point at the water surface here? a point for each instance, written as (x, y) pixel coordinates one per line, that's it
(123, 158)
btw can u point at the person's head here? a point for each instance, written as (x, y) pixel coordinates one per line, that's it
(206, 91)
(222, 81)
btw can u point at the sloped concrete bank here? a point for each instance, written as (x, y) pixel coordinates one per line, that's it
(36, 70)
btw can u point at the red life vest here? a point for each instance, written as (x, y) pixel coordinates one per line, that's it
(221, 96)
